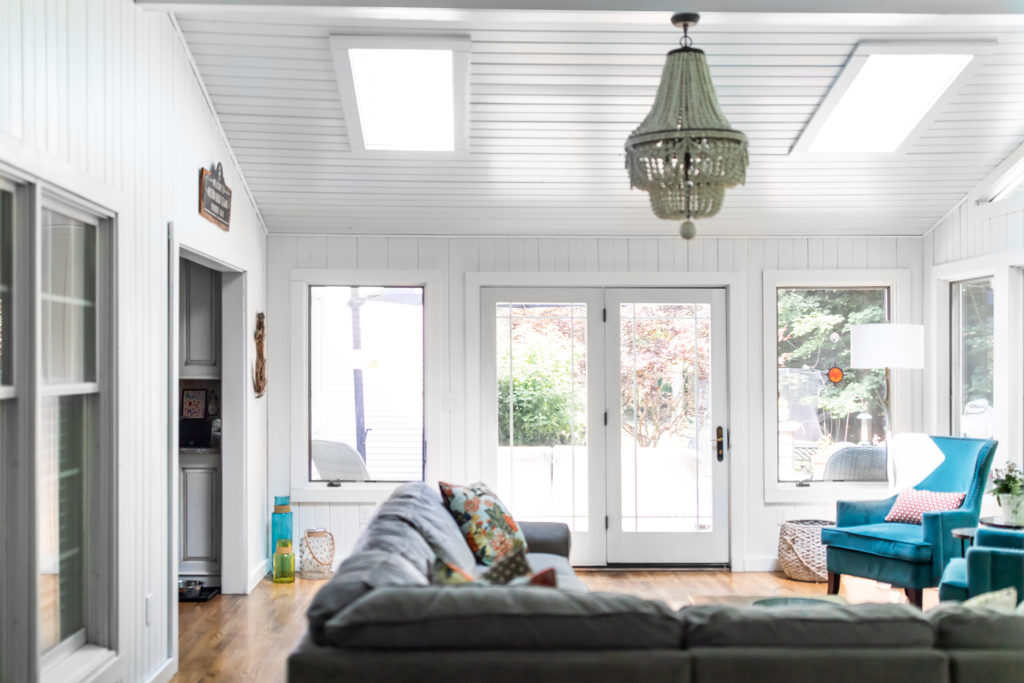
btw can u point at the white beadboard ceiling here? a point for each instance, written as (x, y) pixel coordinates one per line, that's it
(553, 96)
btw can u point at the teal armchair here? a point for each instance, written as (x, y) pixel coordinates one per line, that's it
(996, 560)
(910, 556)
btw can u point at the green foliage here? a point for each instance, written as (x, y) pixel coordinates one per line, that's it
(814, 333)
(976, 336)
(541, 401)
(1008, 480)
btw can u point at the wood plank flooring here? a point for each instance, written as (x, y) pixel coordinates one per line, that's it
(247, 638)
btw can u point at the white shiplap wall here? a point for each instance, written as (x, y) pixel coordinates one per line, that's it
(454, 257)
(99, 98)
(965, 234)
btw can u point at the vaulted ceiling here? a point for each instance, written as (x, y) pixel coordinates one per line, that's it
(553, 96)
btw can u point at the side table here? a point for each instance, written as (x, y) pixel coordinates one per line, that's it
(966, 536)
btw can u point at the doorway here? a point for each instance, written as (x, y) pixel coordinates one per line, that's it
(209, 341)
(607, 410)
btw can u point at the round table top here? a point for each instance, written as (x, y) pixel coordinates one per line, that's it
(965, 532)
(999, 521)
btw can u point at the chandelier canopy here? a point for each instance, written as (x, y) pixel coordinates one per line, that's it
(685, 154)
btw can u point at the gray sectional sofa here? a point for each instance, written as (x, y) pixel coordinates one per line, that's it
(379, 619)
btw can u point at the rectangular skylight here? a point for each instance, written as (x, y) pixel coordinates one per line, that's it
(884, 92)
(887, 98)
(403, 93)
(405, 98)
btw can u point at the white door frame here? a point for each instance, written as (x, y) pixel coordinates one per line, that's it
(744, 475)
(665, 547)
(234, 398)
(588, 547)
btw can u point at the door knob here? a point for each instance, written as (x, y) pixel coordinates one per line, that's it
(720, 443)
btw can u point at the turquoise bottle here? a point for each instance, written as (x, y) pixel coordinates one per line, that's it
(281, 521)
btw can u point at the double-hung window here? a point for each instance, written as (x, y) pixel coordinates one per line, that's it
(56, 430)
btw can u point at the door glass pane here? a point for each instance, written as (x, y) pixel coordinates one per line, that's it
(832, 420)
(665, 439)
(542, 411)
(6, 275)
(973, 332)
(68, 299)
(366, 383)
(67, 434)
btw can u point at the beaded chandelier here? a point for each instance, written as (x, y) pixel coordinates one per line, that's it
(685, 154)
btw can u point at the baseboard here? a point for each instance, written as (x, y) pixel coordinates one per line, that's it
(759, 563)
(165, 673)
(257, 574)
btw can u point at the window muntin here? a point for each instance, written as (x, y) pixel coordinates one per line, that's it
(973, 331)
(819, 418)
(366, 383)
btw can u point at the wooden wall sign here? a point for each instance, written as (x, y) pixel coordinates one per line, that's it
(214, 197)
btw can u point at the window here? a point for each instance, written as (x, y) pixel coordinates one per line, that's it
(827, 412)
(59, 447)
(973, 329)
(366, 383)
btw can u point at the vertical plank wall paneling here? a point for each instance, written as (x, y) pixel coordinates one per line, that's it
(454, 257)
(99, 99)
(960, 236)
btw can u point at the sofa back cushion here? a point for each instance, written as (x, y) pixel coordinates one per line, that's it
(356, 576)
(960, 627)
(824, 625)
(502, 618)
(420, 506)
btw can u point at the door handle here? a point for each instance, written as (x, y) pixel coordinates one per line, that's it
(720, 443)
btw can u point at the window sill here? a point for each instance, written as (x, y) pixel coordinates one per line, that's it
(348, 492)
(87, 662)
(826, 492)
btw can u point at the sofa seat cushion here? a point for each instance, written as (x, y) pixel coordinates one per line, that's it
(960, 627)
(502, 618)
(356, 576)
(899, 541)
(824, 625)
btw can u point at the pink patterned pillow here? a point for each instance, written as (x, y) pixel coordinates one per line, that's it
(911, 504)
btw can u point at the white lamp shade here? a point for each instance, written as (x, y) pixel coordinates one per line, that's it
(887, 345)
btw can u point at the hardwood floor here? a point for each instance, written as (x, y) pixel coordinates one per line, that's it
(248, 638)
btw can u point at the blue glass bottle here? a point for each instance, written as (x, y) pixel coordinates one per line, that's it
(281, 521)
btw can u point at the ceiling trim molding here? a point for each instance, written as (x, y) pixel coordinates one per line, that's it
(838, 8)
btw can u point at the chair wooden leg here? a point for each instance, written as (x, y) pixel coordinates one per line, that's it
(915, 596)
(833, 583)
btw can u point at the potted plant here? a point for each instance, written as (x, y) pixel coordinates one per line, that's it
(1008, 485)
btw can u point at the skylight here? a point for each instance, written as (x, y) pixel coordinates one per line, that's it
(403, 93)
(883, 93)
(405, 98)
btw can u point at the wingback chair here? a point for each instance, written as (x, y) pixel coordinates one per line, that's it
(910, 556)
(995, 561)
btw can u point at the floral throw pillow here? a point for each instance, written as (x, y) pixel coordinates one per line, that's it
(489, 529)
(912, 503)
(1003, 600)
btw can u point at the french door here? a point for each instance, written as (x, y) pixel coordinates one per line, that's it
(601, 409)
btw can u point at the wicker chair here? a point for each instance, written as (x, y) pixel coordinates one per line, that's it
(857, 463)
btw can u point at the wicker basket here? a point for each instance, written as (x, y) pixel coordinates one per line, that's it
(801, 553)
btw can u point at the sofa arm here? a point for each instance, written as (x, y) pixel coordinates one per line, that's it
(547, 537)
(857, 512)
(938, 533)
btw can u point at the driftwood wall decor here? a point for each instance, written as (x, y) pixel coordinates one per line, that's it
(259, 373)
